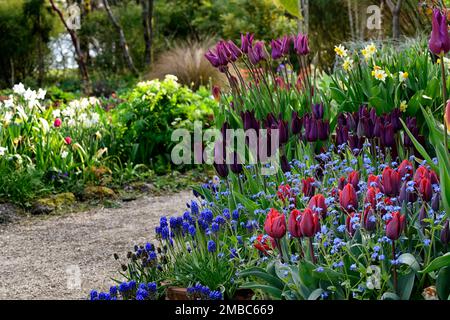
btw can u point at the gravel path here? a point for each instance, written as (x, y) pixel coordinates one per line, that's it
(64, 257)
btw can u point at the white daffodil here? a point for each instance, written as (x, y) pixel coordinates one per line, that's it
(403, 76)
(64, 154)
(19, 89)
(3, 151)
(341, 51)
(41, 94)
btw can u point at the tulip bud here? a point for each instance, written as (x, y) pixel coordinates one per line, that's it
(309, 223)
(301, 44)
(317, 111)
(57, 123)
(246, 42)
(369, 220)
(425, 189)
(373, 181)
(294, 224)
(353, 179)
(308, 187)
(391, 182)
(395, 226)
(275, 225)
(264, 243)
(318, 205)
(405, 169)
(296, 124)
(421, 173)
(445, 233)
(236, 166)
(285, 167)
(435, 202)
(422, 216)
(342, 183)
(68, 140)
(348, 199)
(407, 195)
(349, 223)
(371, 196)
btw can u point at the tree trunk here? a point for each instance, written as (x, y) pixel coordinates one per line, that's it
(395, 10)
(147, 19)
(350, 19)
(122, 40)
(79, 57)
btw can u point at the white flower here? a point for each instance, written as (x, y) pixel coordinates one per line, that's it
(19, 88)
(95, 117)
(41, 94)
(64, 154)
(341, 51)
(171, 77)
(71, 122)
(56, 113)
(68, 112)
(348, 63)
(8, 103)
(3, 151)
(403, 76)
(8, 117)
(30, 95)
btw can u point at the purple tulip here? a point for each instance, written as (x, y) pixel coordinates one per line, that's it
(296, 124)
(277, 52)
(317, 111)
(422, 216)
(283, 131)
(246, 42)
(323, 128)
(285, 44)
(301, 44)
(341, 135)
(212, 58)
(257, 53)
(285, 167)
(439, 41)
(236, 53)
(236, 166)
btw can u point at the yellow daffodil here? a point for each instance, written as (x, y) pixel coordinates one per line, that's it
(369, 51)
(380, 75)
(403, 106)
(341, 51)
(347, 65)
(403, 76)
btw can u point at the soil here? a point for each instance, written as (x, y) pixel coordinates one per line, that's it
(65, 256)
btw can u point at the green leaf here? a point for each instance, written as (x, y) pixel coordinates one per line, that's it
(264, 275)
(409, 260)
(442, 261)
(275, 293)
(290, 6)
(443, 283)
(315, 294)
(390, 296)
(406, 284)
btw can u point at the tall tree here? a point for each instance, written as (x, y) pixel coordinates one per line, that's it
(122, 40)
(147, 21)
(79, 56)
(395, 10)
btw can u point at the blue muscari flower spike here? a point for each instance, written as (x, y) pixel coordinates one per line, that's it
(163, 222)
(149, 246)
(207, 215)
(226, 213)
(113, 290)
(123, 287)
(152, 255)
(211, 246)
(192, 230)
(94, 295)
(235, 214)
(215, 295)
(215, 227)
(194, 207)
(151, 287)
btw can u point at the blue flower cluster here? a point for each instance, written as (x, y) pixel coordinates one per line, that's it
(200, 292)
(127, 291)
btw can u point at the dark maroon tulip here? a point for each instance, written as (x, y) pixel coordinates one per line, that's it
(236, 166)
(342, 120)
(318, 205)
(349, 225)
(341, 135)
(378, 127)
(308, 188)
(405, 195)
(422, 216)
(395, 119)
(369, 219)
(425, 189)
(294, 224)
(246, 42)
(353, 179)
(435, 203)
(283, 130)
(301, 44)
(445, 233)
(439, 41)
(221, 169)
(371, 196)
(309, 223)
(296, 124)
(317, 111)
(342, 183)
(387, 135)
(405, 169)
(395, 226)
(355, 143)
(323, 129)
(421, 173)
(311, 130)
(391, 182)
(270, 121)
(411, 124)
(434, 179)
(285, 167)
(275, 225)
(348, 199)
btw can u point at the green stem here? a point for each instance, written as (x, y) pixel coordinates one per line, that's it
(311, 250)
(395, 267)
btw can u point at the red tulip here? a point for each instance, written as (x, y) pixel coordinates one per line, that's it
(284, 192)
(57, 123)
(341, 183)
(309, 223)
(374, 181)
(68, 140)
(264, 243)
(294, 223)
(434, 178)
(275, 225)
(353, 178)
(308, 187)
(371, 196)
(421, 173)
(349, 224)
(395, 226)
(391, 182)
(368, 217)
(348, 198)
(318, 205)
(405, 168)
(425, 189)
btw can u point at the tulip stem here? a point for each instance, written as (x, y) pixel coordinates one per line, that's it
(300, 248)
(444, 95)
(394, 266)
(311, 250)
(278, 242)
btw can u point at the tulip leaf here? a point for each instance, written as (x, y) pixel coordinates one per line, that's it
(443, 283)
(290, 6)
(264, 275)
(275, 293)
(390, 296)
(410, 260)
(315, 294)
(406, 284)
(437, 263)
